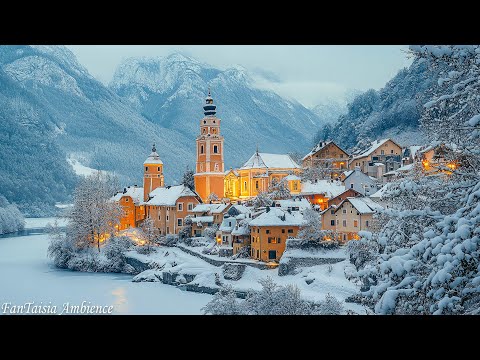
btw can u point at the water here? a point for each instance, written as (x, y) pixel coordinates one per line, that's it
(27, 275)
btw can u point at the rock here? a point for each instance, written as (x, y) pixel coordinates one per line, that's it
(232, 271)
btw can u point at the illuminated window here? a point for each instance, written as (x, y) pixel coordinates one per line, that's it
(272, 240)
(295, 186)
(355, 223)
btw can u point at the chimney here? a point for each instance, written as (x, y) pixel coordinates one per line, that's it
(124, 190)
(267, 209)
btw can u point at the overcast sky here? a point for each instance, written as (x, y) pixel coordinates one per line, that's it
(309, 74)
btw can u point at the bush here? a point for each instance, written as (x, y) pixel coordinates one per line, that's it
(169, 240)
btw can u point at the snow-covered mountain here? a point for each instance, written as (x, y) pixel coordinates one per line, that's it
(170, 92)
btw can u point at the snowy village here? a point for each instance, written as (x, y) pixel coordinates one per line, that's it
(367, 221)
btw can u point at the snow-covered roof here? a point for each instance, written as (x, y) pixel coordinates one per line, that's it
(302, 204)
(364, 205)
(374, 146)
(413, 150)
(291, 178)
(328, 188)
(403, 169)
(242, 209)
(233, 171)
(349, 189)
(347, 173)
(168, 196)
(360, 173)
(136, 193)
(319, 147)
(153, 158)
(278, 217)
(264, 160)
(379, 193)
(202, 219)
(228, 224)
(241, 230)
(209, 208)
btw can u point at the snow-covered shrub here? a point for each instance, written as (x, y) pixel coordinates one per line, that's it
(330, 306)
(186, 230)
(363, 250)
(278, 190)
(115, 250)
(168, 240)
(224, 302)
(242, 253)
(210, 232)
(11, 219)
(263, 199)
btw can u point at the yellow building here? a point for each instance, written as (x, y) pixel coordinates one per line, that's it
(258, 173)
(210, 171)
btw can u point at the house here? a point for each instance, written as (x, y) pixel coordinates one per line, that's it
(296, 204)
(169, 206)
(349, 217)
(259, 173)
(360, 182)
(400, 172)
(270, 231)
(342, 196)
(441, 157)
(133, 213)
(318, 192)
(234, 215)
(381, 156)
(409, 154)
(207, 215)
(241, 234)
(328, 155)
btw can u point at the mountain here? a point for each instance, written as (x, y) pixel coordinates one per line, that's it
(329, 112)
(170, 92)
(393, 111)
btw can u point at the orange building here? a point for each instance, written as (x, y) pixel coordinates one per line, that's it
(209, 168)
(133, 212)
(320, 191)
(340, 197)
(152, 173)
(270, 231)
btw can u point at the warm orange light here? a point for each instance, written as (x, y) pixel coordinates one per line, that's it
(425, 163)
(452, 166)
(219, 240)
(356, 237)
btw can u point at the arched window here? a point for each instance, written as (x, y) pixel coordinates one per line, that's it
(146, 168)
(204, 130)
(158, 169)
(215, 149)
(201, 149)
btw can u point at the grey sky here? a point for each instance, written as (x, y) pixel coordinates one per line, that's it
(310, 74)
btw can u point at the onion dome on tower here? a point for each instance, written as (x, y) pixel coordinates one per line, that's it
(209, 109)
(153, 158)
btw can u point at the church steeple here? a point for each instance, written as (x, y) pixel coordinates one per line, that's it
(152, 173)
(209, 109)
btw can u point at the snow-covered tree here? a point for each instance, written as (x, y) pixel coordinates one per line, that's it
(210, 232)
(188, 179)
(186, 231)
(312, 230)
(150, 234)
(224, 302)
(93, 214)
(11, 219)
(429, 245)
(212, 198)
(278, 190)
(330, 306)
(317, 172)
(263, 199)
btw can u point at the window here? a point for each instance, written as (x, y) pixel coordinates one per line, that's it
(146, 168)
(180, 206)
(382, 152)
(341, 156)
(215, 149)
(295, 186)
(366, 223)
(258, 231)
(127, 199)
(355, 223)
(267, 231)
(332, 222)
(337, 222)
(344, 223)
(272, 254)
(179, 222)
(167, 217)
(216, 167)
(245, 185)
(168, 230)
(204, 130)
(159, 216)
(279, 240)
(201, 167)
(258, 253)
(332, 212)
(351, 186)
(344, 237)
(272, 240)
(256, 184)
(190, 207)
(391, 151)
(290, 231)
(344, 211)
(283, 231)
(201, 149)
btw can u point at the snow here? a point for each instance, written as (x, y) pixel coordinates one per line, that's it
(317, 148)
(302, 204)
(274, 218)
(264, 160)
(291, 178)
(374, 146)
(27, 275)
(315, 254)
(364, 205)
(80, 169)
(153, 159)
(168, 196)
(326, 187)
(203, 219)
(210, 208)
(474, 121)
(136, 193)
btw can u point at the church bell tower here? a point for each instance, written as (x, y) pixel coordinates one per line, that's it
(209, 174)
(152, 173)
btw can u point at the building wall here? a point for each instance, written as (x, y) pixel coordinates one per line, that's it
(389, 148)
(338, 199)
(239, 242)
(260, 246)
(165, 218)
(128, 218)
(331, 152)
(350, 231)
(361, 183)
(317, 199)
(152, 178)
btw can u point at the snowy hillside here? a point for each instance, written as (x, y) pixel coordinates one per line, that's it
(170, 92)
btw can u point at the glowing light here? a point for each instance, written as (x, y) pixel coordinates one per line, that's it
(452, 166)
(356, 237)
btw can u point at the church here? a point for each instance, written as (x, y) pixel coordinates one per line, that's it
(256, 175)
